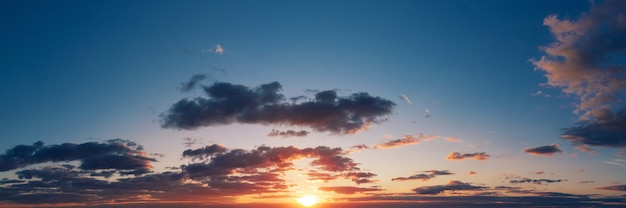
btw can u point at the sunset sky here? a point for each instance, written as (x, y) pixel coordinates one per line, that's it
(358, 103)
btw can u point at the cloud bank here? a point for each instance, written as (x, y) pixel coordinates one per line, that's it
(230, 103)
(584, 61)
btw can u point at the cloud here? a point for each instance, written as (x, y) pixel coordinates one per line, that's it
(584, 61)
(288, 133)
(451, 186)
(540, 93)
(120, 155)
(472, 173)
(476, 156)
(427, 175)
(605, 132)
(205, 152)
(214, 171)
(230, 103)
(314, 175)
(406, 99)
(218, 49)
(547, 150)
(411, 140)
(347, 189)
(535, 181)
(193, 82)
(360, 177)
(583, 182)
(614, 188)
(406, 140)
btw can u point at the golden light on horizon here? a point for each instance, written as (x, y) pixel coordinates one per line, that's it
(308, 200)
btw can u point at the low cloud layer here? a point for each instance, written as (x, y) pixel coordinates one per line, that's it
(84, 173)
(547, 150)
(585, 61)
(348, 189)
(116, 155)
(426, 175)
(615, 188)
(535, 181)
(451, 186)
(230, 103)
(475, 156)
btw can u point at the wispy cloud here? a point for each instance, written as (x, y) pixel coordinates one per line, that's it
(288, 133)
(540, 93)
(412, 140)
(218, 49)
(535, 181)
(406, 99)
(614, 188)
(547, 150)
(229, 103)
(348, 189)
(426, 175)
(193, 82)
(475, 156)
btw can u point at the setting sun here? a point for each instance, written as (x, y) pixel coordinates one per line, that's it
(308, 200)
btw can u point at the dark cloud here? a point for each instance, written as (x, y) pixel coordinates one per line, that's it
(120, 155)
(347, 189)
(288, 133)
(614, 188)
(215, 173)
(547, 150)
(606, 132)
(193, 82)
(583, 182)
(535, 181)
(229, 103)
(451, 186)
(205, 152)
(427, 175)
(459, 156)
(584, 61)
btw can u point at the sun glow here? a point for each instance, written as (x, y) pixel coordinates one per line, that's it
(308, 200)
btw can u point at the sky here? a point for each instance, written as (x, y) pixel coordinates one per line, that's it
(356, 103)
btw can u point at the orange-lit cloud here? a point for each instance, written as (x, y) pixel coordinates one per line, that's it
(348, 189)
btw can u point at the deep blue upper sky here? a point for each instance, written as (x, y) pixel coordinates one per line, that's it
(81, 71)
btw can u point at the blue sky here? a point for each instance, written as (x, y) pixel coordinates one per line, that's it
(86, 72)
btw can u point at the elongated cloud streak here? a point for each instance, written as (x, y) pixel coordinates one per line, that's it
(475, 156)
(547, 150)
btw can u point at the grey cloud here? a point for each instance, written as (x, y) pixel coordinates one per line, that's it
(547, 150)
(451, 186)
(288, 133)
(535, 181)
(229, 103)
(427, 175)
